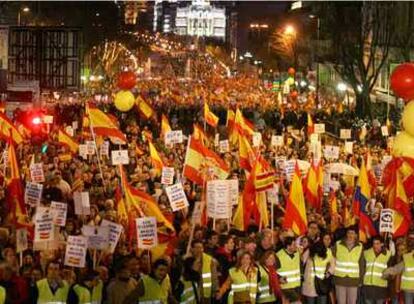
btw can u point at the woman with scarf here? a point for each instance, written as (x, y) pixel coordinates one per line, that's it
(268, 286)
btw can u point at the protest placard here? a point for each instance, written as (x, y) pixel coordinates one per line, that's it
(384, 131)
(104, 150)
(316, 149)
(90, 147)
(216, 139)
(257, 139)
(331, 152)
(147, 232)
(345, 133)
(115, 231)
(173, 137)
(75, 254)
(59, 211)
(120, 157)
(277, 141)
(196, 216)
(82, 205)
(83, 151)
(224, 146)
(177, 197)
(36, 173)
(219, 203)
(33, 194)
(21, 240)
(289, 168)
(234, 191)
(43, 224)
(98, 236)
(167, 175)
(70, 131)
(319, 128)
(349, 147)
(386, 221)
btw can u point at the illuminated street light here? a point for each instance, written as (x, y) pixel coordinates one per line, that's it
(341, 87)
(23, 10)
(290, 30)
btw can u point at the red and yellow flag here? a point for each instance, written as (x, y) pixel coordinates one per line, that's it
(242, 126)
(7, 130)
(198, 134)
(68, 141)
(295, 216)
(201, 162)
(165, 126)
(209, 116)
(246, 154)
(144, 107)
(103, 125)
(312, 188)
(155, 158)
(333, 210)
(311, 125)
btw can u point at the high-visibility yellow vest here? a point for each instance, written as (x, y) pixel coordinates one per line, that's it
(320, 266)
(155, 293)
(188, 296)
(407, 278)
(85, 296)
(2, 295)
(47, 297)
(240, 283)
(289, 269)
(206, 275)
(347, 261)
(264, 293)
(375, 266)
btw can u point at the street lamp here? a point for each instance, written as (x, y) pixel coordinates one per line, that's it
(290, 30)
(23, 10)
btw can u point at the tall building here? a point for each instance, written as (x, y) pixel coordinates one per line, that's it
(164, 16)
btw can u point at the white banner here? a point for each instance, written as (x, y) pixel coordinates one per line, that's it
(387, 221)
(115, 231)
(219, 204)
(98, 236)
(33, 194)
(177, 197)
(36, 173)
(173, 137)
(345, 133)
(120, 157)
(43, 224)
(75, 254)
(147, 232)
(167, 175)
(59, 212)
(82, 205)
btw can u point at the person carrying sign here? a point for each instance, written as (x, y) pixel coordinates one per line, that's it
(89, 290)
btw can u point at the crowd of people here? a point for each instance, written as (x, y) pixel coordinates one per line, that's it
(204, 263)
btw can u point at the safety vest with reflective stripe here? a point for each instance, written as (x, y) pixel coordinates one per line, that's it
(375, 266)
(2, 295)
(154, 292)
(206, 275)
(240, 283)
(347, 261)
(320, 266)
(87, 297)
(47, 297)
(264, 293)
(188, 296)
(289, 269)
(407, 278)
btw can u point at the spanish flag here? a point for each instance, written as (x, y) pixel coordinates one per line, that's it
(68, 141)
(165, 126)
(198, 134)
(312, 188)
(246, 154)
(295, 216)
(230, 119)
(201, 162)
(103, 125)
(144, 107)
(333, 210)
(7, 130)
(155, 158)
(242, 126)
(311, 125)
(209, 116)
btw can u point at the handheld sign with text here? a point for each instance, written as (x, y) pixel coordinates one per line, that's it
(218, 199)
(224, 146)
(21, 240)
(98, 236)
(43, 224)
(319, 128)
(33, 194)
(386, 221)
(234, 191)
(331, 152)
(345, 133)
(104, 151)
(147, 232)
(349, 147)
(82, 205)
(216, 139)
(120, 157)
(167, 175)
(277, 141)
(384, 131)
(76, 248)
(115, 231)
(83, 151)
(196, 216)
(90, 147)
(257, 139)
(173, 137)
(36, 173)
(59, 211)
(177, 197)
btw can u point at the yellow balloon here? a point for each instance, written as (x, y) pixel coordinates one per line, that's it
(408, 118)
(124, 101)
(403, 145)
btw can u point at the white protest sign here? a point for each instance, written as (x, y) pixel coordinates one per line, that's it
(386, 221)
(120, 157)
(177, 197)
(147, 232)
(21, 240)
(234, 191)
(82, 205)
(349, 147)
(90, 147)
(257, 139)
(277, 141)
(218, 199)
(36, 173)
(319, 128)
(104, 151)
(167, 175)
(83, 151)
(289, 169)
(43, 224)
(331, 152)
(273, 194)
(224, 146)
(115, 231)
(345, 133)
(384, 131)
(316, 149)
(173, 137)
(196, 216)
(75, 254)
(280, 162)
(33, 194)
(98, 236)
(59, 212)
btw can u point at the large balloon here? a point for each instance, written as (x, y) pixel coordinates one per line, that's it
(402, 81)
(408, 118)
(403, 145)
(291, 71)
(127, 80)
(124, 101)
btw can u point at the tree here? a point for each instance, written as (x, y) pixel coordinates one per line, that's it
(361, 34)
(404, 36)
(284, 44)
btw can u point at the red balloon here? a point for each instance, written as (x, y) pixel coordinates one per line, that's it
(402, 81)
(126, 80)
(291, 71)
